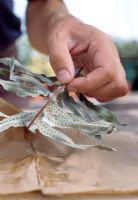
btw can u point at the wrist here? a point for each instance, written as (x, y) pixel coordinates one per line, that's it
(53, 17)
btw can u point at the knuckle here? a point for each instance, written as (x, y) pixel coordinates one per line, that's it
(109, 74)
(107, 38)
(59, 35)
(122, 88)
(53, 39)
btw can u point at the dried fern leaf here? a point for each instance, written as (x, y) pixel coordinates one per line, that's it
(25, 82)
(17, 70)
(100, 111)
(61, 112)
(17, 120)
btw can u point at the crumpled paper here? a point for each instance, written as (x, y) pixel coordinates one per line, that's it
(31, 162)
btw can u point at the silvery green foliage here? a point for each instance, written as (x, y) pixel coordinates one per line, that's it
(22, 81)
(47, 127)
(62, 112)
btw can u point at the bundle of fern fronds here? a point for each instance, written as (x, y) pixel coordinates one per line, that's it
(61, 110)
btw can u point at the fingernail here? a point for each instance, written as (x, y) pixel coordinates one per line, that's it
(63, 76)
(72, 89)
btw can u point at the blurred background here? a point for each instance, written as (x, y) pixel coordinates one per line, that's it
(116, 18)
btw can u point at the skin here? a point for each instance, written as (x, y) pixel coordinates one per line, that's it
(70, 43)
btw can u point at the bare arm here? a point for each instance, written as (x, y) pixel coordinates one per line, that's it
(40, 17)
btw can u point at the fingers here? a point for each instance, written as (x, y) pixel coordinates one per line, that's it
(106, 78)
(104, 88)
(92, 81)
(107, 92)
(110, 91)
(61, 60)
(102, 84)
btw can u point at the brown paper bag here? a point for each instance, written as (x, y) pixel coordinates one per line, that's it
(36, 163)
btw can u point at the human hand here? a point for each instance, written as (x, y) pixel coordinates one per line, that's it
(71, 43)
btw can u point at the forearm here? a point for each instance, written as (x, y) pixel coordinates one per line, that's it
(40, 16)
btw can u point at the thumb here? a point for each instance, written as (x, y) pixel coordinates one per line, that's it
(61, 62)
